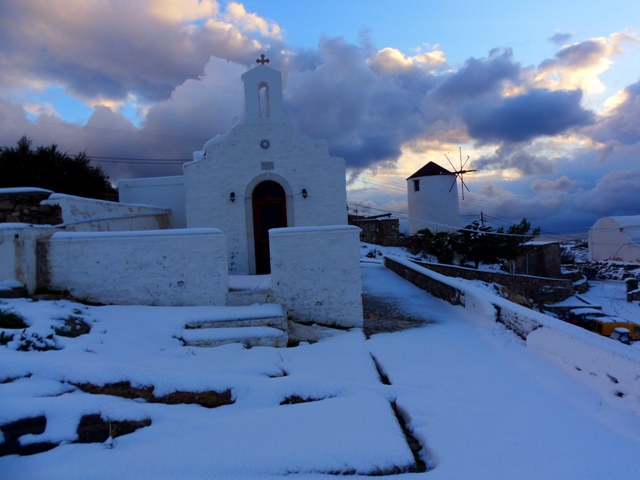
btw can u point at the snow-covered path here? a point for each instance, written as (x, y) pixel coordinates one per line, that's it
(486, 407)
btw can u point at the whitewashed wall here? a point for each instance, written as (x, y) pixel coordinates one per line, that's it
(162, 267)
(91, 215)
(315, 274)
(236, 163)
(165, 192)
(434, 205)
(18, 257)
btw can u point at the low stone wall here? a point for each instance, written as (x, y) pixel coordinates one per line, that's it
(315, 274)
(22, 205)
(385, 232)
(90, 215)
(162, 267)
(540, 290)
(429, 284)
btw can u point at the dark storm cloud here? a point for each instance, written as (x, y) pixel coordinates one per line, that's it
(365, 116)
(513, 157)
(561, 184)
(365, 106)
(623, 123)
(614, 194)
(367, 103)
(480, 76)
(526, 116)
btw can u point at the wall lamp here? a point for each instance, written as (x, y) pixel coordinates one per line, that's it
(304, 193)
(232, 196)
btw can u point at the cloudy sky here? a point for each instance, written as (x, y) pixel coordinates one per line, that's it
(544, 99)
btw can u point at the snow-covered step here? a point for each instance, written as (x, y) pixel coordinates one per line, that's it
(272, 315)
(249, 336)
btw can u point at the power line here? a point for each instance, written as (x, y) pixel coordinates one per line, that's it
(375, 183)
(158, 161)
(103, 130)
(459, 229)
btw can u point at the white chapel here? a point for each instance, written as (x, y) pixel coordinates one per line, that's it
(262, 174)
(261, 199)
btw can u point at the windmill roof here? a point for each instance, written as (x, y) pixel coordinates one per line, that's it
(431, 169)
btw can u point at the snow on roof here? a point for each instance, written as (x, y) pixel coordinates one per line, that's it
(627, 221)
(138, 233)
(24, 190)
(276, 232)
(431, 169)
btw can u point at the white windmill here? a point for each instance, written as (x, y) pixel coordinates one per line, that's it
(432, 198)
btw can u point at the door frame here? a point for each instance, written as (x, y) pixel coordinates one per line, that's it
(248, 206)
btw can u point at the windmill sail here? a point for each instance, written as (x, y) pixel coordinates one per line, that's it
(459, 173)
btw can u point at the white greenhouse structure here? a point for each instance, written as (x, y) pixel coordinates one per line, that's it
(615, 238)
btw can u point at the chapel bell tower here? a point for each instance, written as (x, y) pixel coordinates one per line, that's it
(263, 93)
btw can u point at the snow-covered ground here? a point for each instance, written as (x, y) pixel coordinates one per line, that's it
(482, 404)
(611, 295)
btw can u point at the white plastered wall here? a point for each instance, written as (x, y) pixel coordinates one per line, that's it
(315, 274)
(165, 192)
(435, 205)
(162, 267)
(18, 253)
(237, 162)
(90, 215)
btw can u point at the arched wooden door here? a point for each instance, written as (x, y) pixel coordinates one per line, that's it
(269, 204)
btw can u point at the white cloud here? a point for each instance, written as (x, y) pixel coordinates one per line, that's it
(390, 60)
(580, 65)
(237, 14)
(184, 10)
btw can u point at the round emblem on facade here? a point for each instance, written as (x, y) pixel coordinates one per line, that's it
(265, 144)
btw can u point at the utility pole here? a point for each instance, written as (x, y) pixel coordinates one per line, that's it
(482, 219)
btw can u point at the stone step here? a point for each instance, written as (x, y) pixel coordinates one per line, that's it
(248, 297)
(249, 336)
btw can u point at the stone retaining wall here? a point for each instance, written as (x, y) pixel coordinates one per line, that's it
(539, 289)
(429, 284)
(22, 205)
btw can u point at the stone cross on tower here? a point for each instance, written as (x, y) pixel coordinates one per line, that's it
(262, 59)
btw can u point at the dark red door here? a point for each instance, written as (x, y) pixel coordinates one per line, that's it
(269, 211)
